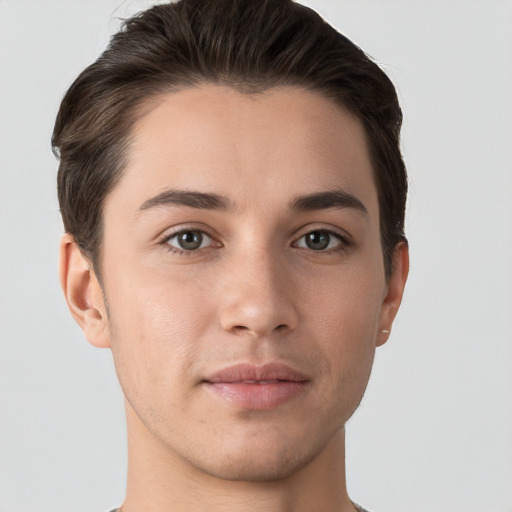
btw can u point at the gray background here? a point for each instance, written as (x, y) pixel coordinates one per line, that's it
(434, 431)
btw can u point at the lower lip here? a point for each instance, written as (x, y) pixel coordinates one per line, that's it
(257, 396)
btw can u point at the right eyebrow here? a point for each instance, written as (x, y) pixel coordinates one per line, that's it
(201, 200)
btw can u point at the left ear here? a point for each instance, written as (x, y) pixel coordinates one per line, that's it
(394, 291)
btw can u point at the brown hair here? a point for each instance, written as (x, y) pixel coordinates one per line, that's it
(250, 45)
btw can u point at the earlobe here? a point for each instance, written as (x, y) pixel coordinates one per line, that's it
(394, 291)
(83, 293)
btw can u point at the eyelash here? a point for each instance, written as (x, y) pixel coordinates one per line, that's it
(343, 245)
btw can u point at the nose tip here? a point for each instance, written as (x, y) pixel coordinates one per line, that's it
(259, 306)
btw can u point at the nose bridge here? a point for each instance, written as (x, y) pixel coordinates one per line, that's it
(257, 297)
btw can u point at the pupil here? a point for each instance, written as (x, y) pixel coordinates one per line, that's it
(190, 240)
(317, 240)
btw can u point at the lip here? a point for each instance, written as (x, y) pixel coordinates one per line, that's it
(257, 387)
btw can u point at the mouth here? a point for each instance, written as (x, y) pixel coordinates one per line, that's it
(257, 387)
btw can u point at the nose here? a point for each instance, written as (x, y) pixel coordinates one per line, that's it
(258, 297)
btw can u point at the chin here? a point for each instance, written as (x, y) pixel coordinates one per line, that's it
(266, 469)
(246, 461)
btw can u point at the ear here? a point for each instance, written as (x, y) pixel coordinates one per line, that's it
(83, 293)
(394, 291)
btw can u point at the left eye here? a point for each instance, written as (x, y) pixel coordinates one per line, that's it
(189, 240)
(319, 240)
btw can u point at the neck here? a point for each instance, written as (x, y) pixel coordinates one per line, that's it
(159, 480)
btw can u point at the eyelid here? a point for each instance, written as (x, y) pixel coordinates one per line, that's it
(184, 227)
(342, 234)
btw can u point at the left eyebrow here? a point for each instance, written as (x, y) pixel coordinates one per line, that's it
(329, 199)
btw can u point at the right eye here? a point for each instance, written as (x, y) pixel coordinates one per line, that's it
(189, 240)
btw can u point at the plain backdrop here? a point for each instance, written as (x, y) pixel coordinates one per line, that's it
(434, 431)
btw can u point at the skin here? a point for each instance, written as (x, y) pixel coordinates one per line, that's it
(253, 292)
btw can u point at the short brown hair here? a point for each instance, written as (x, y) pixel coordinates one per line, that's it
(250, 45)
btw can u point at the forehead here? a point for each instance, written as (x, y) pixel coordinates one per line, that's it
(263, 147)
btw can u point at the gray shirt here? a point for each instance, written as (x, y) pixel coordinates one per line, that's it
(359, 508)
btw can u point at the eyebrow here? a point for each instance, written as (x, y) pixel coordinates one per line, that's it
(202, 200)
(210, 201)
(328, 199)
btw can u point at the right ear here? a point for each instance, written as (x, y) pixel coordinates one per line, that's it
(83, 293)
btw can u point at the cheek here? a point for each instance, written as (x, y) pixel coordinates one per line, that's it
(350, 304)
(154, 308)
(348, 320)
(156, 328)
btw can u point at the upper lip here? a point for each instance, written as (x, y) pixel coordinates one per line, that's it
(244, 372)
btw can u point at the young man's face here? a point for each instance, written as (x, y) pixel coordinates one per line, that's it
(243, 271)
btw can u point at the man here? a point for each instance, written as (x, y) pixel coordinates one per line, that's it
(233, 195)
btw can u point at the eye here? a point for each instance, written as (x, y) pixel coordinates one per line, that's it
(189, 240)
(319, 240)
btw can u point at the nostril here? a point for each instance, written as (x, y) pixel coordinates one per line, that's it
(244, 328)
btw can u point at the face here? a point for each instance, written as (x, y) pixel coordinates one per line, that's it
(243, 271)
